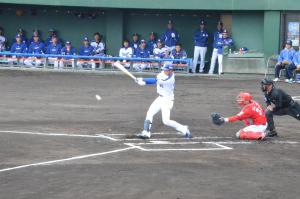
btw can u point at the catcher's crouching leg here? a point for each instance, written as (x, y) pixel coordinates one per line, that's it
(250, 135)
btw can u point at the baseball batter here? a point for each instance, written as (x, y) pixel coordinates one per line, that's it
(253, 116)
(165, 82)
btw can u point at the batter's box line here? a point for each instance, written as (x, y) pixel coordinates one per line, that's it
(138, 146)
(117, 137)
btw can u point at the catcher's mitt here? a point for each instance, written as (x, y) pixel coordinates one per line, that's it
(217, 119)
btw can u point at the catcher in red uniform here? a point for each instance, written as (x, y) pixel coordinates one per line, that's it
(252, 114)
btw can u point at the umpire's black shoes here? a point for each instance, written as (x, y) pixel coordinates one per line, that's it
(272, 133)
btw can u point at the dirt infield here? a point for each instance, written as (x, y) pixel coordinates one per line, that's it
(58, 141)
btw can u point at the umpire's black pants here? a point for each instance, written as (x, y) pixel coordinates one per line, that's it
(293, 110)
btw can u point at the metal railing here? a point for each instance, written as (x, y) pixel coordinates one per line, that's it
(103, 62)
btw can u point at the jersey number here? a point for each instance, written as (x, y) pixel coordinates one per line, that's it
(259, 111)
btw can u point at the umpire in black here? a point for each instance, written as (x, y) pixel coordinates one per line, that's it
(283, 104)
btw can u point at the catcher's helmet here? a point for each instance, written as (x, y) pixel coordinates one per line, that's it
(243, 97)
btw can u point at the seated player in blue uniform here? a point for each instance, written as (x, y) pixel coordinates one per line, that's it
(36, 48)
(86, 50)
(67, 50)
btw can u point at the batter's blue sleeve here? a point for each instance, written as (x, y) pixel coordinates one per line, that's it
(150, 80)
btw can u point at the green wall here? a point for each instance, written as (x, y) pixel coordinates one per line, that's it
(114, 31)
(185, 24)
(172, 4)
(271, 32)
(257, 30)
(248, 30)
(69, 26)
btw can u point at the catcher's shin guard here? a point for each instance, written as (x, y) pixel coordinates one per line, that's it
(250, 135)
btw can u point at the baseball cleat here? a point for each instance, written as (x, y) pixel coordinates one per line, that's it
(188, 134)
(144, 135)
(276, 79)
(272, 133)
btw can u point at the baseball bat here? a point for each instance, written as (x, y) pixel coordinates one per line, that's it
(124, 70)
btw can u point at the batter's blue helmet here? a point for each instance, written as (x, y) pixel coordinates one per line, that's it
(167, 66)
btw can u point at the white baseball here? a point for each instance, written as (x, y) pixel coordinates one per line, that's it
(98, 97)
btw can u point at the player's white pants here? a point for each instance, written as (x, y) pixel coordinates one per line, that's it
(199, 51)
(53, 60)
(64, 62)
(214, 58)
(125, 64)
(140, 66)
(252, 132)
(165, 106)
(80, 64)
(31, 61)
(14, 59)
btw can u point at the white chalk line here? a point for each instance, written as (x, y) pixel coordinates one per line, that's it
(251, 142)
(80, 106)
(139, 146)
(55, 134)
(186, 149)
(67, 159)
(222, 146)
(178, 138)
(297, 98)
(158, 133)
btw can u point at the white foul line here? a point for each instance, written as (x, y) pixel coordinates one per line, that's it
(59, 134)
(68, 159)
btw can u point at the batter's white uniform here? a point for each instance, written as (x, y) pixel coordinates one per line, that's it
(164, 102)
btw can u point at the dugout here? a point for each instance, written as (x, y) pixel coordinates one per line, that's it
(260, 25)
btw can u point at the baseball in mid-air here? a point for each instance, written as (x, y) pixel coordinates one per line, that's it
(98, 97)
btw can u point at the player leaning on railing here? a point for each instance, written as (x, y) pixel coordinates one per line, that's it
(165, 82)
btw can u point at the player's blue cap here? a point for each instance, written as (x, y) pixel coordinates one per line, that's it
(18, 36)
(86, 39)
(244, 49)
(152, 33)
(51, 30)
(159, 41)
(289, 42)
(68, 43)
(20, 30)
(167, 66)
(143, 41)
(135, 34)
(225, 31)
(202, 22)
(170, 22)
